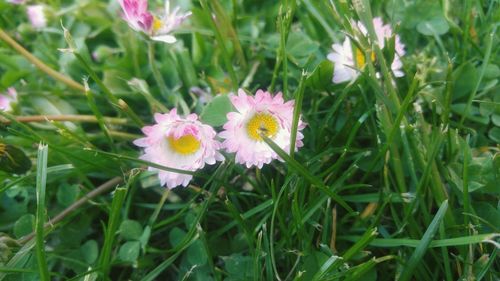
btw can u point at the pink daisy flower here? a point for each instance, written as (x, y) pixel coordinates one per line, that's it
(36, 15)
(136, 14)
(16, 2)
(6, 100)
(349, 60)
(256, 116)
(181, 143)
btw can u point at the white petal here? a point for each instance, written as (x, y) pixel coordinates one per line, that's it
(165, 38)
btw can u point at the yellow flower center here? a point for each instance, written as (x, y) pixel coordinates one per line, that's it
(360, 58)
(262, 124)
(185, 145)
(157, 24)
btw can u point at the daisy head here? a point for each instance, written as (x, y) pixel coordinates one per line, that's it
(349, 60)
(139, 18)
(16, 2)
(169, 21)
(181, 143)
(257, 116)
(136, 14)
(36, 15)
(7, 99)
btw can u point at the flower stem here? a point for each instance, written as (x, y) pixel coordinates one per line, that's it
(161, 82)
(39, 64)
(71, 118)
(94, 193)
(220, 41)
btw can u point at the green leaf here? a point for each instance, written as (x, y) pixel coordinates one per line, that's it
(322, 75)
(490, 214)
(487, 107)
(176, 236)
(492, 71)
(496, 119)
(130, 230)
(214, 114)
(494, 134)
(238, 266)
(196, 253)
(89, 251)
(116, 81)
(67, 194)
(13, 160)
(130, 251)
(24, 225)
(464, 78)
(435, 26)
(300, 47)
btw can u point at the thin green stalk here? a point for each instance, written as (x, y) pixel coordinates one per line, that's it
(469, 260)
(165, 92)
(267, 248)
(487, 266)
(465, 182)
(300, 169)
(39, 64)
(158, 207)
(99, 116)
(233, 211)
(147, 163)
(275, 72)
(423, 245)
(257, 275)
(193, 233)
(444, 254)
(395, 126)
(271, 230)
(112, 98)
(466, 18)
(334, 262)
(54, 221)
(222, 45)
(283, 37)
(156, 72)
(485, 62)
(296, 114)
(41, 180)
(110, 232)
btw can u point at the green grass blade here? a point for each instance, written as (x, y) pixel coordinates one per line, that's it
(220, 40)
(487, 266)
(110, 233)
(166, 263)
(413, 243)
(299, 96)
(41, 180)
(424, 244)
(487, 55)
(334, 262)
(98, 115)
(305, 173)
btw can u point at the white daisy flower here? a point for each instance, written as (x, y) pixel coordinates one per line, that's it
(163, 27)
(349, 60)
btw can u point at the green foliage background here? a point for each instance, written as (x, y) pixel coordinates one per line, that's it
(393, 182)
